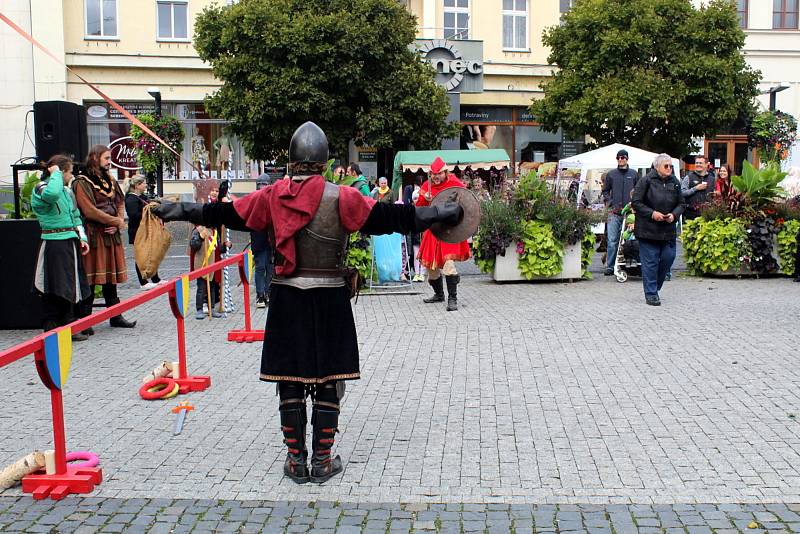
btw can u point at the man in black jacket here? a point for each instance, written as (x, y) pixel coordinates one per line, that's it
(697, 187)
(658, 204)
(617, 188)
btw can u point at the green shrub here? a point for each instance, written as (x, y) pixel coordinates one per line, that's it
(499, 227)
(25, 194)
(715, 245)
(759, 186)
(787, 246)
(587, 251)
(541, 253)
(358, 255)
(485, 265)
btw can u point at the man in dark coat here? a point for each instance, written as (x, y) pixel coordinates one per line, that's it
(617, 188)
(311, 346)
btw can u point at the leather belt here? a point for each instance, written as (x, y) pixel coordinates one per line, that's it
(59, 230)
(318, 273)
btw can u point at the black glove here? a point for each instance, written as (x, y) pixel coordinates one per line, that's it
(179, 211)
(448, 214)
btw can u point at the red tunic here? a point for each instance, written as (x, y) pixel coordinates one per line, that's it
(433, 252)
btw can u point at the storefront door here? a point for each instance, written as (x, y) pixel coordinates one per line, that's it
(729, 150)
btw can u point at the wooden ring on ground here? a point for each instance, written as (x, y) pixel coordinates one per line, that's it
(90, 458)
(157, 388)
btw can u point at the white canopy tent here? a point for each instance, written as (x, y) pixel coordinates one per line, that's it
(595, 163)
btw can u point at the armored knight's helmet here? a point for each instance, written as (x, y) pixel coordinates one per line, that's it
(308, 145)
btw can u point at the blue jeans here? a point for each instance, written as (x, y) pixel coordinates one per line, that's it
(656, 258)
(263, 261)
(613, 229)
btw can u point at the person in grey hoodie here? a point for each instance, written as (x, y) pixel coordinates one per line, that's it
(696, 187)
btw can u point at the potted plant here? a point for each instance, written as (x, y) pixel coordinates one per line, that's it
(772, 133)
(149, 152)
(744, 230)
(533, 234)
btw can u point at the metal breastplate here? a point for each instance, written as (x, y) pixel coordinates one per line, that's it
(320, 247)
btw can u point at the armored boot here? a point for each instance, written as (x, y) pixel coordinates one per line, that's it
(438, 291)
(293, 425)
(452, 291)
(324, 421)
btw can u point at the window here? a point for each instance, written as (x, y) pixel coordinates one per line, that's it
(172, 23)
(515, 24)
(566, 5)
(741, 10)
(784, 14)
(456, 19)
(101, 18)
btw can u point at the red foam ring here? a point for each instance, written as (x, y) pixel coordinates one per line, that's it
(76, 480)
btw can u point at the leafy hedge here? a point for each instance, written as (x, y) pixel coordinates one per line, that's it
(587, 251)
(716, 245)
(541, 254)
(787, 246)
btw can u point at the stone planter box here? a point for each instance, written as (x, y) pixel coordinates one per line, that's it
(506, 270)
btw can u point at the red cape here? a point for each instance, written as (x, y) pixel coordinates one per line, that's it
(288, 206)
(432, 252)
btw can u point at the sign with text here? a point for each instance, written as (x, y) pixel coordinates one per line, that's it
(458, 64)
(123, 155)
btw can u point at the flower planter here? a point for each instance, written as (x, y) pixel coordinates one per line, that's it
(506, 270)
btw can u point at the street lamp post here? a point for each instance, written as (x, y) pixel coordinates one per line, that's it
(155, 92)
(773, 91)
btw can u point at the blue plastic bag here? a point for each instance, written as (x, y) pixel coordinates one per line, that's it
(388, 257)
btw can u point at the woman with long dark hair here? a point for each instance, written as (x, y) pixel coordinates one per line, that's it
(101, 203)
(134, 204)
(60, 278)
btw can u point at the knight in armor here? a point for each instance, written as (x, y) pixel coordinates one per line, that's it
(311, 348)
(436, 255)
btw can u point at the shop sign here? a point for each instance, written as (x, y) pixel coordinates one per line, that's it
(123, 155)
(493, 115)
(367, 154)
(97, 112)
(458, 64)
(134, 108)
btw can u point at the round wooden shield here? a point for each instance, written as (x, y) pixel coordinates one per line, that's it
(470, 216)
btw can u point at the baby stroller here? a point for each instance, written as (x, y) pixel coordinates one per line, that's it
(627, 262)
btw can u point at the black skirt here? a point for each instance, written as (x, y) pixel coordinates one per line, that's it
(310, 336)
(59, 270)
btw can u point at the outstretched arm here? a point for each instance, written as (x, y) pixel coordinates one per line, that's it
(405, 219)
(211, 215)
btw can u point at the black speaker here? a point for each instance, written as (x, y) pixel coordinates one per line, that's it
(60, 129)
(23, 309)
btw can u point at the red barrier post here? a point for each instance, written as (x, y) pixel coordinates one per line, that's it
(67, 479)
(179, 302)
(248, 335)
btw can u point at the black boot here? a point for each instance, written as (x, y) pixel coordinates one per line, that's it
(452, 291)
(324, 421)
(438, 291)
(293, 425)
(119, 321)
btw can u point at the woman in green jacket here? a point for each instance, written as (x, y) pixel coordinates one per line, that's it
(60, 278)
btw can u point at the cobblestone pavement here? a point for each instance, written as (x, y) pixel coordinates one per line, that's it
(573, 401)
(163, 516)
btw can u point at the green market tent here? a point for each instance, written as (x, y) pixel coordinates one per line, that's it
(416, 160)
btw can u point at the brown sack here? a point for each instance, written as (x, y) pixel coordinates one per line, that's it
(151, 243)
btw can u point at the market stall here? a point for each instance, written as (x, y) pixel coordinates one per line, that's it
(595, 163)
(490, 166)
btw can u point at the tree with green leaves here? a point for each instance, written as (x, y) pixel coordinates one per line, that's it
(650, 73)
(347, 65)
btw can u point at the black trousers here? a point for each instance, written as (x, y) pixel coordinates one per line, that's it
(109, 295)
(56, 311)
(143, 281)
(201, 296)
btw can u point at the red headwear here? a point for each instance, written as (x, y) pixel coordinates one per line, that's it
(438, 165)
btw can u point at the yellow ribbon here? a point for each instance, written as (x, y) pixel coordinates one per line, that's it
(210, 250)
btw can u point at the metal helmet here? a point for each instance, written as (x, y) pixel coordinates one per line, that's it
(308, 145)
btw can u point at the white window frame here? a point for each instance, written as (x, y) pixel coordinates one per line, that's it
(517, 14)
(456, 11)
(102, 36)
(172, 4)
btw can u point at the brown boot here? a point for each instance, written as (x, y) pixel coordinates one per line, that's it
(293, 425)
(324, 422)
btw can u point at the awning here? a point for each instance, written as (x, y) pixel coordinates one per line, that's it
(420, 160)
